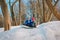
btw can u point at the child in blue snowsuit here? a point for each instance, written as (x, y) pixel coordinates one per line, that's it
(29, 23)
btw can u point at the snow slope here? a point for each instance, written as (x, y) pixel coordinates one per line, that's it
(54, 26)
(45, 31)
(12, 27)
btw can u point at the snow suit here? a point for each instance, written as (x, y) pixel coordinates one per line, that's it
(30, 23)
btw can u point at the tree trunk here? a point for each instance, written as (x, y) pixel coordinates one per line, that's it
(43, 11)
(6, 15)
(49, 16)
(53, 9)
(13, 16)
(12, 12)
(39, 11)
(19, 12)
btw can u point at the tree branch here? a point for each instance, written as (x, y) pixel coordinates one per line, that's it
(53, 9)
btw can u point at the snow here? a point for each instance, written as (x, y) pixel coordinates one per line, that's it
(54, 26)
(12, 27)
(45, 31)
(1, 29)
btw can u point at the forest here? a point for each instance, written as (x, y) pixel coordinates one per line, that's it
(15, 12)
(29, 19)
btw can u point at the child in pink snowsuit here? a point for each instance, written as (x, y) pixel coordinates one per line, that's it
(33, 19)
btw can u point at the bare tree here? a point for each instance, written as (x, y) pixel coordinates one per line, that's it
(49, 16)
(6, 15)
(19, 12)
(53, 9)
(43, 11)
(12, 12)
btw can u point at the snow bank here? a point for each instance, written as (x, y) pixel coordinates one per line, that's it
(45, 31)
(1, 29)
(28, 34)
(12, 27)
(54, 26)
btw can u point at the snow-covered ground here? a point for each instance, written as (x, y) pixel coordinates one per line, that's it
(45, 31)
(54, 26)
(12, 27)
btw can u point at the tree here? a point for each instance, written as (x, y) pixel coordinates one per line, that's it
(49, 16)
(12, 12)
(19, 11)
(44, 11)
(53, 9)
(6, 15)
